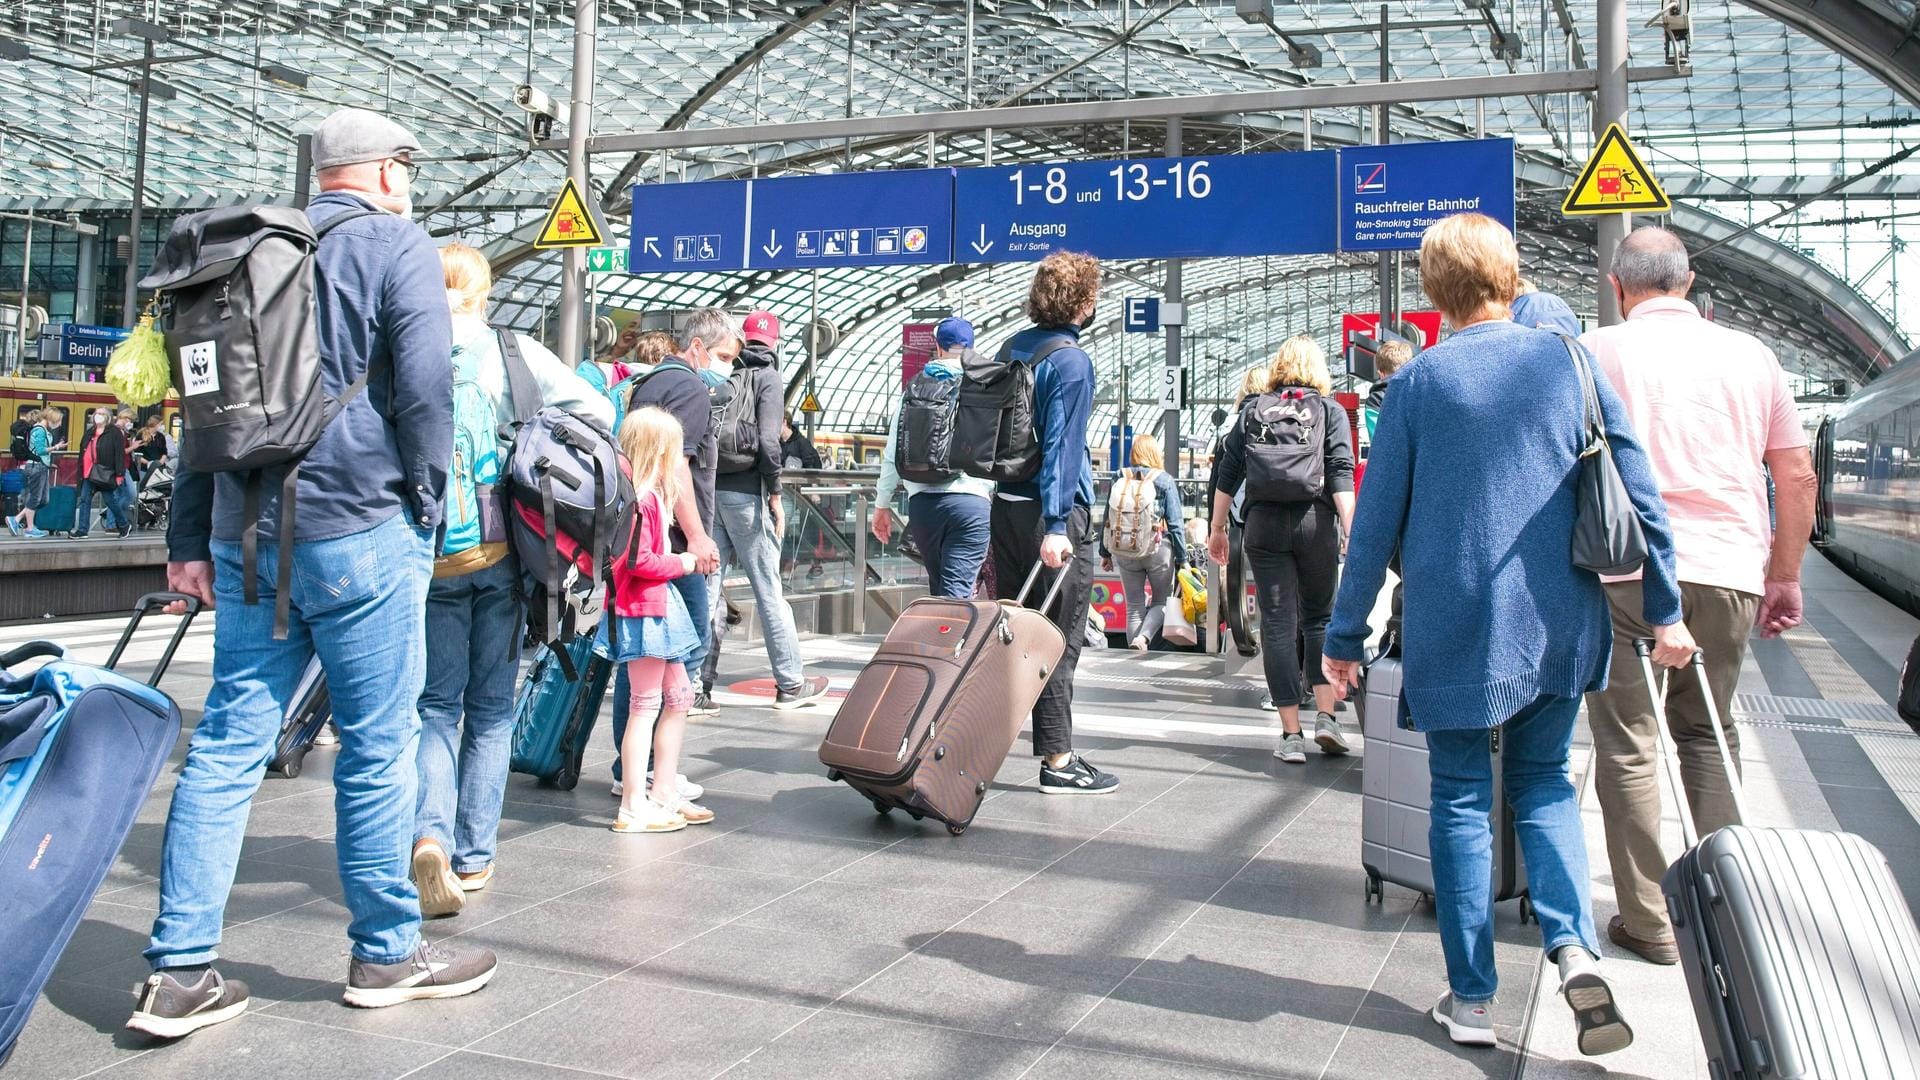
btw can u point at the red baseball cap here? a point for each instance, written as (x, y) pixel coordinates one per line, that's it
(763, 327)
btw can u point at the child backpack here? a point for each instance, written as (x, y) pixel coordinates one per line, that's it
(1285, 435)
(736, 423)
(476, 534)
(923, 444)
(235, 288)
(1133, 514)
(993, 436)
(22, 448)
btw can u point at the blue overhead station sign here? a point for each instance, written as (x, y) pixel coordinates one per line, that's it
(1390, 194)
(844, 219)
(1153, 208)
(682, 228)
(852, 219)
(1363, 198)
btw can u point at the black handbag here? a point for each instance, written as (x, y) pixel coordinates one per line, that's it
(1607, 537)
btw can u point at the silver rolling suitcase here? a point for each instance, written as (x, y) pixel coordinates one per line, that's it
(1396, 794)
(1800, 952)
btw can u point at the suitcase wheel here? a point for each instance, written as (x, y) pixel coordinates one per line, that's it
(881, 808)
(1376, 890)
(288, 766)
(833, 775)
(1526, 910)
(955, 829)
(567, 778)
(916, 817)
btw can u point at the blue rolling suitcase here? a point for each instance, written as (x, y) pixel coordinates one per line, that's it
(554, 713)
(307, 713)
(80, 748)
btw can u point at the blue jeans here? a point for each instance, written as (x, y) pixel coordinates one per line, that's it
(474, 626)
(1546, 815)
(358, 601)
(743, 528)
(115, 500)
(693, 593)
(950, 528)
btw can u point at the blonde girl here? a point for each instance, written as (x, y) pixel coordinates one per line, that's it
(651, 633)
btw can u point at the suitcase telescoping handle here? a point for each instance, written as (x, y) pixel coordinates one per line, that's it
(1053, 593)
(141, 607)
(1670, 754)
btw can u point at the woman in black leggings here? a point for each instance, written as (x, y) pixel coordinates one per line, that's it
(1292, 448)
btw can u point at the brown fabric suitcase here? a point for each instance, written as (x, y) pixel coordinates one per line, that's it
(931, 718)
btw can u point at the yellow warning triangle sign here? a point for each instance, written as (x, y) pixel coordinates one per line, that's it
(1614, 180)
(570, 223)
(811, 404)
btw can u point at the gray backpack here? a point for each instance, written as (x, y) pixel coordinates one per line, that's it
(236, 297)
(570, 503)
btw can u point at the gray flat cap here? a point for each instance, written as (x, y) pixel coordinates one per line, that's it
(351, 136)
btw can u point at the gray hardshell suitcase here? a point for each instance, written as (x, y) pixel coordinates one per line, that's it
(1396, 794)
(1800, 952)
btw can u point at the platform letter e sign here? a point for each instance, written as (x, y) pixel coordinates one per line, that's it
(198, 370)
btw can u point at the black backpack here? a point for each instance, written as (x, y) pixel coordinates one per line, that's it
(923, 445)
(22, 448)
(1284, 433)
(993, 436)
(238, 312)
(736, 422)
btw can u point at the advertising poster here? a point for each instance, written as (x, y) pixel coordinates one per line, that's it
(916, 348)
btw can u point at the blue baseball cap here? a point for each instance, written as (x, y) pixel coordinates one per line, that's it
(953, 334)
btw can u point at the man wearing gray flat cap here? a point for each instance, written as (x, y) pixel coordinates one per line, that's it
(369, 507)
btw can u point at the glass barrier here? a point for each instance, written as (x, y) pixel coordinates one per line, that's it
(828, 543)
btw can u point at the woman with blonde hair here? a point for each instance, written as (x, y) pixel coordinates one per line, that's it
(1145, 536)
(474, 621)
(1501, 629)
(1292, 449)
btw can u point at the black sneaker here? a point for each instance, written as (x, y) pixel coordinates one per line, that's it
(433, 971)
(172, 1005)
(809, 691)
(1078, 777)
(703, 705)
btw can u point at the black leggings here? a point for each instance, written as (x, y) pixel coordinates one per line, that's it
(1295, 552)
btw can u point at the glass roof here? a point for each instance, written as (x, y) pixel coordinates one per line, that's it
(1770, 117)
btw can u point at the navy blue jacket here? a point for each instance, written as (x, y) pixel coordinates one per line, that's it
(1062, 405)
(382, 299)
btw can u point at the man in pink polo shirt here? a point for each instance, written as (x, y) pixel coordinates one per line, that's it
(1712, 407)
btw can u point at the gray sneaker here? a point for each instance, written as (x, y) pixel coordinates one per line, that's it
(433, 971)
(1327, 732)
(1602, 1029)
(171, 1006)
(1292, 748)
(1467, 1023)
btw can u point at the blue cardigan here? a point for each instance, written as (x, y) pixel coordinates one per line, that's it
(1471, 478)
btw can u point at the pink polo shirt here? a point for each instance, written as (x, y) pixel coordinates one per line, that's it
(1708, 403)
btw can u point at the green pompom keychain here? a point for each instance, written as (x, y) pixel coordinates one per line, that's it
(138, 371)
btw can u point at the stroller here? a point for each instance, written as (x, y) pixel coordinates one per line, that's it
(155, 497)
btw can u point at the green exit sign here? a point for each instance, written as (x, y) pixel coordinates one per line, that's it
(607, 260)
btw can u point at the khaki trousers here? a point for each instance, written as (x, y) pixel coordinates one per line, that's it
(1626, 768)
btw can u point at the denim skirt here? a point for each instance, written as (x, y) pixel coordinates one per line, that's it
(664, 637)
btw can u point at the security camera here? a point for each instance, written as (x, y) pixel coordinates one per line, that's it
(1676, 25)
(532, 99)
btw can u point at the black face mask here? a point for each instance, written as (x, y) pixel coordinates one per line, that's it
(1086, 322)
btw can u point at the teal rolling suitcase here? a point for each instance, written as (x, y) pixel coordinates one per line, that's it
(554, 712)
(57, 515)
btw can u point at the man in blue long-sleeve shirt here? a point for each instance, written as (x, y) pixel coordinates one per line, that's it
(368, 508)
(1049, 518)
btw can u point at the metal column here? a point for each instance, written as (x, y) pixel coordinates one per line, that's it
(129, 309)
(302, 171)
(586, 17)
(1610, 107)
(1170, 419)
(26, 285)
(1389, 269)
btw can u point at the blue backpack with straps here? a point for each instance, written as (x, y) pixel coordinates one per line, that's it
(476, 535)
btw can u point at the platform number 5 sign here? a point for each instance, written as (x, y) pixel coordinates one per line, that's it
(1169, 388)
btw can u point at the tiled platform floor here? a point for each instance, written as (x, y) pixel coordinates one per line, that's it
(1206, 920)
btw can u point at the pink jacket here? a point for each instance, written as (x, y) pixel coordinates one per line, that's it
(644, 566)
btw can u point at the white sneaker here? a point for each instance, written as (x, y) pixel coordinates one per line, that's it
(1602, 1029)
(689, 791)
(327, 736)
(619, 790)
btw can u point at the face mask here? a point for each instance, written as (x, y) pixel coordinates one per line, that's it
(715, 377)
(1086, 322)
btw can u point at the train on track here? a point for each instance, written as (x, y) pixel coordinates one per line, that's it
(72, 400)
(1868, 458)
